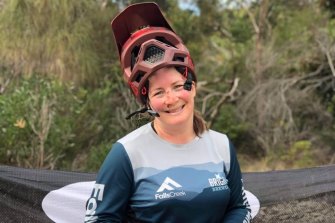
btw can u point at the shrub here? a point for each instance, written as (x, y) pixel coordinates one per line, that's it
(48, 124)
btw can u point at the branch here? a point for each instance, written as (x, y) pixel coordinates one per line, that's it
(224, 97)
(330, 62)
(251, 16)
(326, 51)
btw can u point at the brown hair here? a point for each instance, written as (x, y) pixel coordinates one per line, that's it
(199, 124)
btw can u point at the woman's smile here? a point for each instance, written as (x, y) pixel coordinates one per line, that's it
(175, 111)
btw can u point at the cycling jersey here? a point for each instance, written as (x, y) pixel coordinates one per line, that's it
(147, 179)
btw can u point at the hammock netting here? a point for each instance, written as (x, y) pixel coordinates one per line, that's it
(301, 195)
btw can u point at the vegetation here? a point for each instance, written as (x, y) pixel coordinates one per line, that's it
(266, 78)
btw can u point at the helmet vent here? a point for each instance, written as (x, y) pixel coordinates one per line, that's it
(153, 54)
(178, 58)
(139, 76)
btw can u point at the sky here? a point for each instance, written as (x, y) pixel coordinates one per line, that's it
(188, 4)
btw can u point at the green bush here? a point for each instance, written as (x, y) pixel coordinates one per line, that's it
(229, 123)
(48, 124)
(34, 135)
(300, 155)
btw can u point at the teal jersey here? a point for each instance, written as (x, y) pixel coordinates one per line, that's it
(147, 179)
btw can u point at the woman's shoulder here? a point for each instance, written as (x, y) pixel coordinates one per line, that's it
(143, 130)
(137, 136)
(221, 144)
(216, 134)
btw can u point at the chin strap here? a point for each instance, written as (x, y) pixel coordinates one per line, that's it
(142, 110)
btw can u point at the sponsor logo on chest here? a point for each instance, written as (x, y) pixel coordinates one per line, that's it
(218, 183)
(169, 189)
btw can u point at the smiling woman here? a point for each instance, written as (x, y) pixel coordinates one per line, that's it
(166, 170)
(174, 104)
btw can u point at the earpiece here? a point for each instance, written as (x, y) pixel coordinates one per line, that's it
(188, 82)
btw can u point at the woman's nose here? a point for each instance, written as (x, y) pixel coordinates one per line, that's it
(171, 97)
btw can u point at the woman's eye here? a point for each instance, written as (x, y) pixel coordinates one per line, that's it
(179, 87)
(158, 93)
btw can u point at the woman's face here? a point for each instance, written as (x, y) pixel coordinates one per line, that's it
(167, 96)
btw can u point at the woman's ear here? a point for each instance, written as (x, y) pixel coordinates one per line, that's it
(194, 87)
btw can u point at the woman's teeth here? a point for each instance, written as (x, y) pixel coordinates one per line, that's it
(176, 110)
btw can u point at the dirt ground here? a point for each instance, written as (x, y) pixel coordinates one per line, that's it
(317, 209)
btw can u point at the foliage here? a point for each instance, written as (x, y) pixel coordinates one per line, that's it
(63, 100)
(28, 112)
(300, 154)
(46, 123)
(96, 156)
(58, 38)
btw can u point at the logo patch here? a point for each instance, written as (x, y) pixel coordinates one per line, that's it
(168, 184)
(218, 183)
(168, 190)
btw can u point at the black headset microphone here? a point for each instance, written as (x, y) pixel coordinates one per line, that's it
(153, 113)
(188, 82)
(145, 109)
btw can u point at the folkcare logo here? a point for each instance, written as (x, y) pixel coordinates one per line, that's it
(167, 190)
(218, 183)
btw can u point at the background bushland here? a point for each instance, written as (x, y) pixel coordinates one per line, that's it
(265, 69)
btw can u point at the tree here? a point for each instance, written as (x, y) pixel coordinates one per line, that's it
(68, 39)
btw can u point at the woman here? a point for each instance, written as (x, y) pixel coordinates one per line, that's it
(172, 169)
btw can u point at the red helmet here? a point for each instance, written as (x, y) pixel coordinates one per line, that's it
(146, 43)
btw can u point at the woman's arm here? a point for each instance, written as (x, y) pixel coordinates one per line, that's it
(113, 188)
(238, 210)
